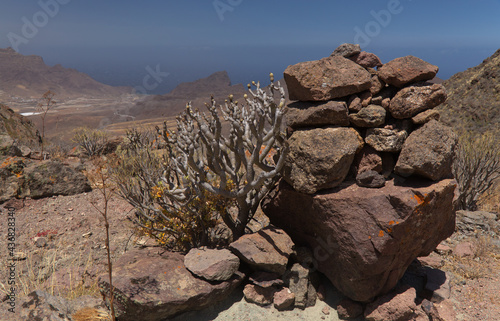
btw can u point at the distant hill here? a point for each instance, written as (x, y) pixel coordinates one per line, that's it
(198, 92)
(474, 97)
(29, 77)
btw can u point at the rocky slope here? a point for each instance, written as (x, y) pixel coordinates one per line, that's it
(30, 77)
(474, 96)
(15, 126)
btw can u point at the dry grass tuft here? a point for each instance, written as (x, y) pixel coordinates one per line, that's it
(91, 314)
(37, 272)
(485, 262)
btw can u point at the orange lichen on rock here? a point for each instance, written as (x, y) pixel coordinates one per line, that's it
(420, 198)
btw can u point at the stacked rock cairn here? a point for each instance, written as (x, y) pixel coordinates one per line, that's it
(367, 183)
(370, 113)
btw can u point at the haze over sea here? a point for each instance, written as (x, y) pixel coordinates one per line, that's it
(116, 42)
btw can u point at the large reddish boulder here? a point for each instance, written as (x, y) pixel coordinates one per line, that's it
(320, 158)
(412, 100)
(428, 152)
(370, 116)
(386, 140)
(326, 79)
(364, 239)
(154, 285)
(308, 114)
(406, 70)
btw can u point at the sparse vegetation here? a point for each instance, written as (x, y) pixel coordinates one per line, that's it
(37, 272)
(476, 167)
(201, 177)
(92, 141)
(483, 263)
(100, 177)
(45, 104)
(237, 166)
(145, 178)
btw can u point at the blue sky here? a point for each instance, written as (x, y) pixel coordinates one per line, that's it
(115, 41)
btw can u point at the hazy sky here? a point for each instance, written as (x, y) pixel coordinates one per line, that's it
(119, 42)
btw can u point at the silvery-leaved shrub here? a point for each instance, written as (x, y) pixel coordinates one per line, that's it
(216, 166)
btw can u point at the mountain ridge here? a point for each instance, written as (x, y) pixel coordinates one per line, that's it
(29, 77)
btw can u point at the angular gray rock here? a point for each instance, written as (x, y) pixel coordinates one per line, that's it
(412, 100)
(365, 262)
(8, 147)
(370, 116)
(298, 282)
(51, 178)
(267, 249)
(469, 222)
(370, 179)
(212, 264)
(428, 152)
(6, 142)
(346, 50)
(307, 114)
(155, 285)
(386, 140)
(406, 70)
(320, 158)
(326, 79)
(9, 185)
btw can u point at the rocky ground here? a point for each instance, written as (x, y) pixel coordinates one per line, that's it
(61, 248)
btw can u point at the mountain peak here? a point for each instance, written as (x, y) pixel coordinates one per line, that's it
(214, 82)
